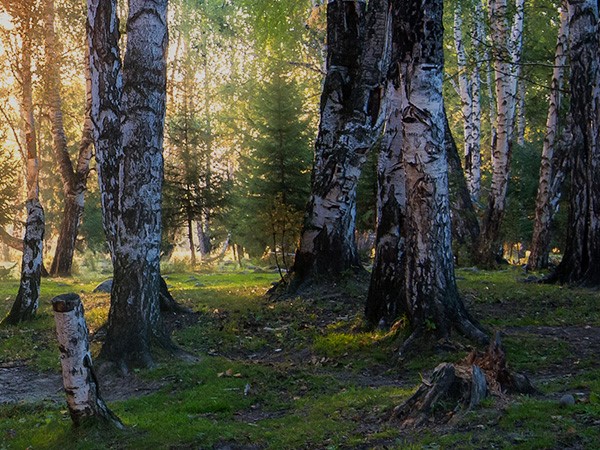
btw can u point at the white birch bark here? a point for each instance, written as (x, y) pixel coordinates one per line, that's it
(352, 113)
(128, 109)
(581, 260)
(26, 303)
(506, 60)
(430, 292)
(79, 381)
(551, 170)
(469, 89)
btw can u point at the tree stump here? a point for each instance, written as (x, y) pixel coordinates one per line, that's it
(79, 380)
(462, 386)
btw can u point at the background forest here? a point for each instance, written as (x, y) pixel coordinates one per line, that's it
(243, 92)
(284, 217)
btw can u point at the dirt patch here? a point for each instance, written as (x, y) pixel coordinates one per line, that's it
(20, 384)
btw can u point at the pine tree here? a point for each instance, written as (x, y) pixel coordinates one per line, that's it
(273, 180)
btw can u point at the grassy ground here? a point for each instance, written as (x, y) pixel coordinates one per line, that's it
(304, 373)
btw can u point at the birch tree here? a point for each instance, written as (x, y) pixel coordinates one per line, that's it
(507, 48)
(469, 84)
(128, 108)
(26, 304)
(351, 118)
(581, 260)
(552, 170)
(74, 177)
(429, 294)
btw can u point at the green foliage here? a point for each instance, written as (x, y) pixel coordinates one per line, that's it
(273, 177)
(10, 185)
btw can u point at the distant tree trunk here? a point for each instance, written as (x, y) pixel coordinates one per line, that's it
(581, 260)
(387, 277)
(470, 87)
(351, 118)
(27, 300)
(506, 60)
(74, 180)
(204, 244)
(552, 172)
(465, 225)
(431, 301)
(128, 114)
(190, 230)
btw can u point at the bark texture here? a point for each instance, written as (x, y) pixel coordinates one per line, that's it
(552, 170)
(507, 47)
(352, 113)
(581, 260)
(74, 179)
(430, 297)
(26, 303)
(79, 380)
(128, 109)
(469, 81)
(384, 298)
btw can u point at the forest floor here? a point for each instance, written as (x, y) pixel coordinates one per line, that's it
(305, 373)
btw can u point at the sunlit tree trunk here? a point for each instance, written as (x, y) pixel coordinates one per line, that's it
(74, 179)
(26, 303)
(506, 59)
(351, 117)
(128, 113)
(581, 260)
(552, 172)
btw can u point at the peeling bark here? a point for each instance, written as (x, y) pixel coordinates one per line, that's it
(430, 296)
(581, 260)
(552, 170)
(352, 113)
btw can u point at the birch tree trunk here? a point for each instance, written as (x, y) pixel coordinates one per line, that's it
(79, 380)
(431, 300)
(469, 88)
(26, 303)
(384, 298)
(352, 110)
(581, 260)
(552, 173)
(74, 179)
(128, 114)
(506, 60)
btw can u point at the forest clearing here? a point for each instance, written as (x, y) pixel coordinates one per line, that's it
(305, 373)
(248, 224)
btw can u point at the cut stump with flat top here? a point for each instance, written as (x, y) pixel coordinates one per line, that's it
(79, 380)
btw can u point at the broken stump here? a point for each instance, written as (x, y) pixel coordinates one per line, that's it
(462, 386)
(81, 386)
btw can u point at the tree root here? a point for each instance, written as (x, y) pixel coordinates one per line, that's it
(459, 387)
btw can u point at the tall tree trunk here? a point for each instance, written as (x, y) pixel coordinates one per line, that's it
(26, 303)
(430, 296)
(506, 60)
(469, 88)
(581, 260)
(552, 172)
(352, 110)
(384, 298)
(128, 113)
(74, 180)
